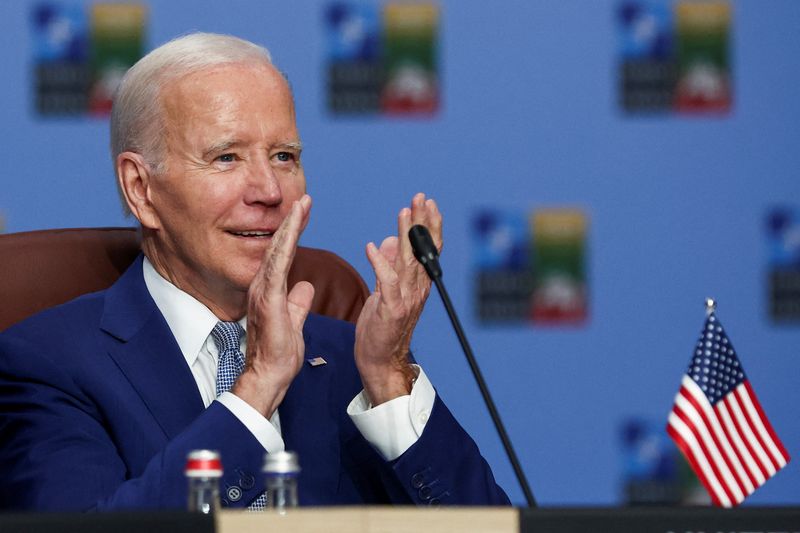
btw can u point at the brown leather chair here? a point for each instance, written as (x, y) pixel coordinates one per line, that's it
(40, 269)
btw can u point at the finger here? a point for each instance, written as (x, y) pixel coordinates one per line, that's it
(279, 254)
(300, 299)
(420, 214)
(434, 222)
(390, 248)
(386, 276)
(418, 209)
(405, 259)
(295, 227)
(377, 281)
(306, 202)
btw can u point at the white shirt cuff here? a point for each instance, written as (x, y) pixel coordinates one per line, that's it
(261, 428)
(394, 426)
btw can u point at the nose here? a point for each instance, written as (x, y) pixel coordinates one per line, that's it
(263, 185)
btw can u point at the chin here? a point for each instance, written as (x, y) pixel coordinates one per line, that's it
(244, 277)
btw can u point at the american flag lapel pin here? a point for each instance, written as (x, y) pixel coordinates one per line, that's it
(316, 361)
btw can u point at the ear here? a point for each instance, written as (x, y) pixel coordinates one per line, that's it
(135, 182)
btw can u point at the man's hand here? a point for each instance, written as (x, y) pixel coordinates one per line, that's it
(384, 328)
(275, 318)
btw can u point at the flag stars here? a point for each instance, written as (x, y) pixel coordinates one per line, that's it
(714, 364)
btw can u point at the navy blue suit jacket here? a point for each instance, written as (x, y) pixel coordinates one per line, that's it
(98, 410)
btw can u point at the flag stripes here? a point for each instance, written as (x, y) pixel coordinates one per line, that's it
(774, 444)
(719, 425)
(751, 468)
(731, 446)
(706, 421)
(688, 444)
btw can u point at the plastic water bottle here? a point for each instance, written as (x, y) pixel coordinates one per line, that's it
(281, 470)
(203, 471)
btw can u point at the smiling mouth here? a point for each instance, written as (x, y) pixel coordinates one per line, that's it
(252, 234)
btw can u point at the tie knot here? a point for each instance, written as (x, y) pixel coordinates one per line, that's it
(227, 336)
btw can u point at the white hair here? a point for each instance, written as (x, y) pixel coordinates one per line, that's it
(137, 122)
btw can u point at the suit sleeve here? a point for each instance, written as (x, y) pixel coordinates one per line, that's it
(444, 467)
(57, 453)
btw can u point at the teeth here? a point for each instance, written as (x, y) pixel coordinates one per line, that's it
(252, 233)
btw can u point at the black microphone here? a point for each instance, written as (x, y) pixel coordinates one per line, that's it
(426, 253)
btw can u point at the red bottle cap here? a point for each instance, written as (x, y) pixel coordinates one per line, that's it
(203, 463)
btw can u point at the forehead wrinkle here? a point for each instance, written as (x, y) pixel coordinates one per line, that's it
(193, 111)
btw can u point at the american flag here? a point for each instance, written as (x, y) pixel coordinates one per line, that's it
(719, 425)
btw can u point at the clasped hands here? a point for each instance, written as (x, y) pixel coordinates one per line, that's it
(276, 314)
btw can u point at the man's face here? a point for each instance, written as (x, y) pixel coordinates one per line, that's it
(232, 172)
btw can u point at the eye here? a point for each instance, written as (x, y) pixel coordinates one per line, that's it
(227, 158)
(285, 157)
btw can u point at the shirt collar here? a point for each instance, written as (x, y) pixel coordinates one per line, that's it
(189, 320)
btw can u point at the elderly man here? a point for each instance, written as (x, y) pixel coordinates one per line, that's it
(103, 397)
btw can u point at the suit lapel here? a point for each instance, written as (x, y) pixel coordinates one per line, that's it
(146, 352)
(309, 427)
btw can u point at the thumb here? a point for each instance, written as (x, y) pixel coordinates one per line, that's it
(299, 299)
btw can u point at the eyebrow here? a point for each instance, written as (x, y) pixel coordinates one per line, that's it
(298, 146)
(226, 145)
(220, 147)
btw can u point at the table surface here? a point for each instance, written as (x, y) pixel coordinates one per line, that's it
(373, 520)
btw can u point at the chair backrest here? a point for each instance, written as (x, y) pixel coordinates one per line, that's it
(40, 269)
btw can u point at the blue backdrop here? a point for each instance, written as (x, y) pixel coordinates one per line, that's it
(529, 118)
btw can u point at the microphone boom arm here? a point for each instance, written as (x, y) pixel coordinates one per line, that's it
(426, 253)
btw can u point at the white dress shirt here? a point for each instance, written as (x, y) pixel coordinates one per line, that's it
(391, 427)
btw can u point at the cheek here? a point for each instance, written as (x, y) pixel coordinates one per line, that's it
(192, 216)
(292, 192)
(296, 187)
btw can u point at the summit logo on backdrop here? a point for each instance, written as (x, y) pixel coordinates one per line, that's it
(81, 53)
